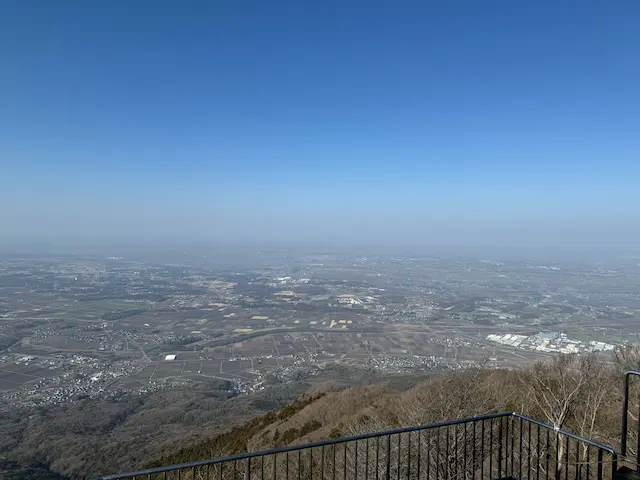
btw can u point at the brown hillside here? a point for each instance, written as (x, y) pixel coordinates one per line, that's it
(579, 394)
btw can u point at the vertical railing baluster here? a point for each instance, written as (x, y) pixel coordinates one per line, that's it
(473, 453)
(356, 462)
(446, 453)
(599, 464)
(388, 457)
(588, 461)
(566, 459)
(490, 448)
(455, 450)
(334, 462)
(344, 461)
(548, 455)
(366, 461)
(388, 464)
(578, 464)
(322, 463)
(399, 461)
(464, 460)
(538, 452)
(506, 447)
(429, 454)
(558, 459)
(409, 456)
(482, 452)
(456, 455)
(510, 453)
(529, 454)
(377, 458)
(437, 463)
(500, 448)
(419, 452)
(520, 434)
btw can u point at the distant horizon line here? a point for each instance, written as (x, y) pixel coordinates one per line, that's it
(117, 246)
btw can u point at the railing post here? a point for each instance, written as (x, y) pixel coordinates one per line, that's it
(638, 443)
(625, 410)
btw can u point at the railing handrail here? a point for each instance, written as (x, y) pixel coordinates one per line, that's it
(355, 438)
(566, 433)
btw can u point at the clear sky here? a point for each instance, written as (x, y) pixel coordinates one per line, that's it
(409, 122)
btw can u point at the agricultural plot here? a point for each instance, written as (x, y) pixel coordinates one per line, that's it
(59, 342)
(15, 376)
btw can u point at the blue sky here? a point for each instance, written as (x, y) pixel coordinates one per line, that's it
(409, 122)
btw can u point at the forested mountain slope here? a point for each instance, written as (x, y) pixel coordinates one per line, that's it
(579, 394)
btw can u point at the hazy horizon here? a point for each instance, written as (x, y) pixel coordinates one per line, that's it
(173, 250)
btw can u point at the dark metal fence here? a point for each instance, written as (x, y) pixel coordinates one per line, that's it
(631, 453)
(487, 447)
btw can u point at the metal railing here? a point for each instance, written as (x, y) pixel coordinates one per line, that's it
(487, 447)
(624, 437)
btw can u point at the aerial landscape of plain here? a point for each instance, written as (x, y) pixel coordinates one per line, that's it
(77, 326)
